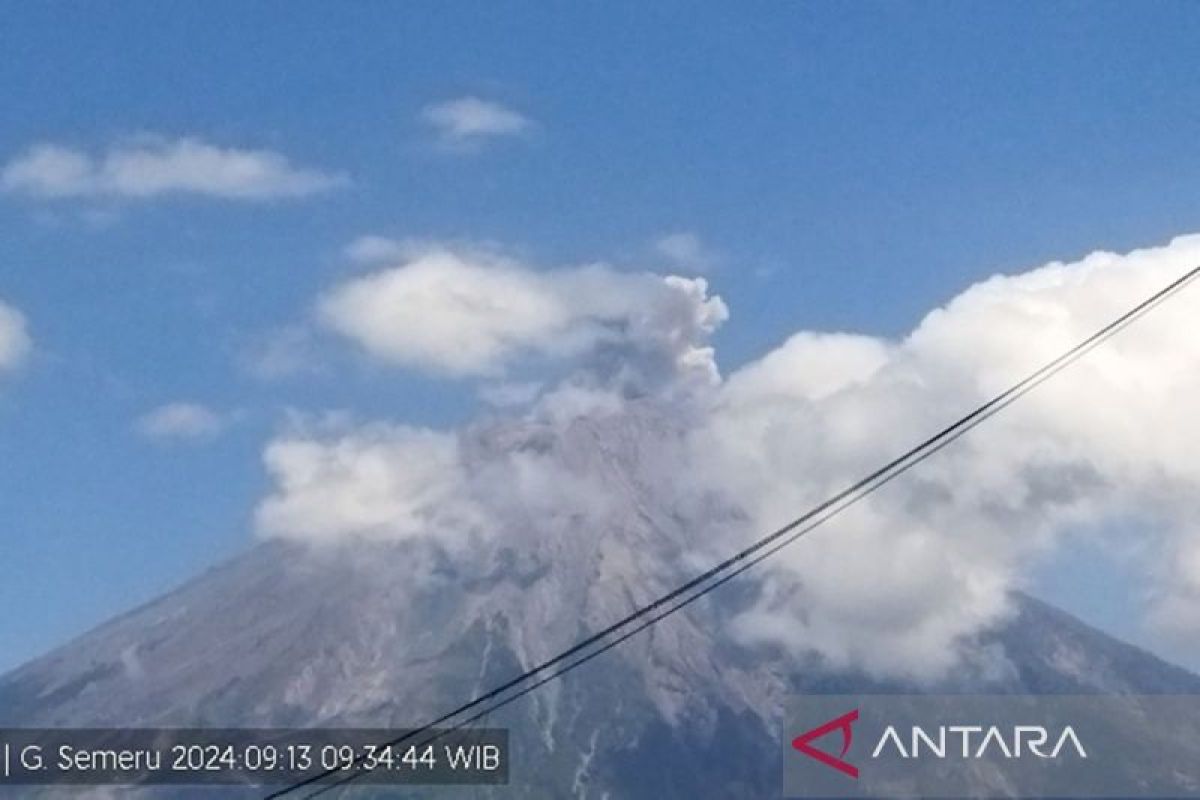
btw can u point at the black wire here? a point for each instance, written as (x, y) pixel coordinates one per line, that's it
(817, 516)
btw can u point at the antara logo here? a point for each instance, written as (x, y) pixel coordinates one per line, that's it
(1011, 744)
(843, 723)
(967, 741)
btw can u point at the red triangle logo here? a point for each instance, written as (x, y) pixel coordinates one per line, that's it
(842, 723)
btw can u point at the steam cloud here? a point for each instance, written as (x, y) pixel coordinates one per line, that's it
(899, 585)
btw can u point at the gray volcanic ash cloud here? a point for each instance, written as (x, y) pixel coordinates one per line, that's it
(900, 585)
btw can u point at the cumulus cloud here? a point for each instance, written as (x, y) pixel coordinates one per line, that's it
(150, 166)
(474, 313)
(812, 366)
(900, 585)
(338, 481)
(181, 421)
(379, 481)
(15, 343)
(469, 121)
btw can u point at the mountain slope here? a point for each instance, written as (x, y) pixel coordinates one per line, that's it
(392, 634)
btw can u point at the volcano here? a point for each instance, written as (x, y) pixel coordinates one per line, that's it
(387, 634)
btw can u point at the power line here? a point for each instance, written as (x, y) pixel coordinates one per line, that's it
(768, 545)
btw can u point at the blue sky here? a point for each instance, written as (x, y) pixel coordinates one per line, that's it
(847, 166)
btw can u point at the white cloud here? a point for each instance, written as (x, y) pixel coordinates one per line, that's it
(340, 482)
(49, 171)
(377, 481)
(812, 366)
(151, 166)
(181, 422)
(684, 250)
(900, 585)
(471, 120)
(15, 343)
(473, 314)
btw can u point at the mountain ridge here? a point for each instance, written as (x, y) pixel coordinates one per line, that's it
(394, 633)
